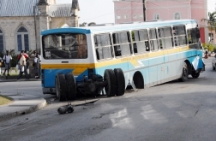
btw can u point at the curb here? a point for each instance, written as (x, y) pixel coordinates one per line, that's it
(30, 109)
(15, 80)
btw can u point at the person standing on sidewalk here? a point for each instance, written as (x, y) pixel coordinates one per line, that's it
(22, 64)
(36, 65)
(7, 62)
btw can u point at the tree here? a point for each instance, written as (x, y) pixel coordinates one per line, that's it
(83, 24)
(87, 24)
(91, 24)
(211, 21)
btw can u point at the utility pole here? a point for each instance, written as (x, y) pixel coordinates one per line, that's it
(144, 10)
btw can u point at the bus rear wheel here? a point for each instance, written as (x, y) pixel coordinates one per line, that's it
(184, 76)
(71, 87)
(120, 82)
(60, 87)
(110, 79)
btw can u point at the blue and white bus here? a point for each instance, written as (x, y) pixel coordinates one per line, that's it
(108, 59)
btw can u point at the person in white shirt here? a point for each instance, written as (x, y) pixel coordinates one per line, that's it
(7, 62)
(36, 65)
(22, 62)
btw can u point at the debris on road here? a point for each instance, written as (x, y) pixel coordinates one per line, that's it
(69, 108)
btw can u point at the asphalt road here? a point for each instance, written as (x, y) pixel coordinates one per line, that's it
(175, 111)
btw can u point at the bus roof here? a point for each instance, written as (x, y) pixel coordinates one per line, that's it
(117, 27)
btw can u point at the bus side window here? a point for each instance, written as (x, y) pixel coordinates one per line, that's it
(117, 50)
(179, 34)
(121, 41)
(140, 40)
(165, 37)
(147, 45)
(103, 47)
(153, 39)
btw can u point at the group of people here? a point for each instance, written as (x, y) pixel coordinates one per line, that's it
(7, 62)
(22, 64)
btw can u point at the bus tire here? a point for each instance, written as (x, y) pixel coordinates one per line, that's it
(71, 87)
(120, 82)
(61, 87)
(195, 74)
(184, 76)
(109, 77)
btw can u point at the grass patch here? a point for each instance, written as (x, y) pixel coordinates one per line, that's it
(5, 100)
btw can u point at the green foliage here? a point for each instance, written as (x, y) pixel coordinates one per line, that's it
(209, 46)
(211, 21)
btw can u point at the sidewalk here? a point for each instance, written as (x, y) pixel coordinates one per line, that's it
(22, 104)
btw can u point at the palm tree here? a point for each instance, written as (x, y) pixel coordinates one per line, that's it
(211, 22)
(91, 24)
(83, 24)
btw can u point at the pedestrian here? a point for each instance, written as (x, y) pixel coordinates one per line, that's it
(206, 54)
(7, 62)
(27, 61)
(36, 65)
(22, 63)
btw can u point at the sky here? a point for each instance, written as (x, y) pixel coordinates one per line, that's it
(211, 5)
(102, 11)
(98, 11)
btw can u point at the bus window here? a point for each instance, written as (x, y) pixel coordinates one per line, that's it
(121, 41)
(153, 39)
(192, 35)
(165, 37)
(179, 34)
(64, 46)
(103, 46)
(140, 41)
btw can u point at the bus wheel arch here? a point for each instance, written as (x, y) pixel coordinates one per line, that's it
(138, 80)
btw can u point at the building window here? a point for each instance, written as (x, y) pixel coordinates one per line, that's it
(156, 17)
(1, 42)
(177, 16)
(22, 39)
(118, 17)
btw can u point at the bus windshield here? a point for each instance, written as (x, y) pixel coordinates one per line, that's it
(64, 46)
